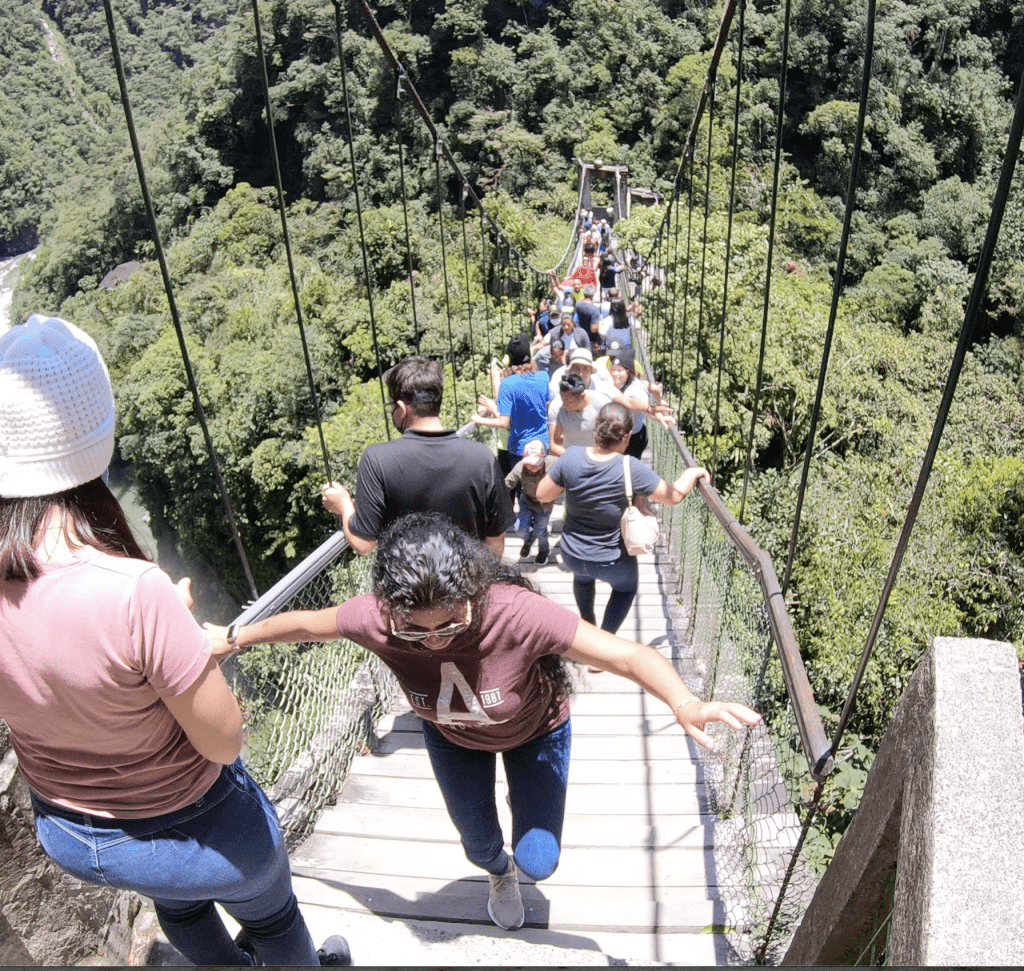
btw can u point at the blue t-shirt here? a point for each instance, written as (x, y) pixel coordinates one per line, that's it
(595, 499)
(524, 398)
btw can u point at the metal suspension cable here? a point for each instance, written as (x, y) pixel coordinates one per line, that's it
(776, 169)
(676, 220)
(485, 277)
(359, 209)
(441, 145)
(978, 293)
(444, 270)
(573, 235)
(508, 286)
(704, 247)
(691, 138)
(686, 280)
(519, 285)
(287, 236)
(837, 285)
(405, 206)
(469, 300)
(728, 238)
(169, 290)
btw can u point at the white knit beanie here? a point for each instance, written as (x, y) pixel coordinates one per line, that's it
(56, 409)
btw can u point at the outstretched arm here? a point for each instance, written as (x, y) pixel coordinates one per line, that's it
(647, 668)
(290, 627)
(672, 493)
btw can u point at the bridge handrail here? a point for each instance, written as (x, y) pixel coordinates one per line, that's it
(816, 744)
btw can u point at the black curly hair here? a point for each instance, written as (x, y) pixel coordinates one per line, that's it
(423, 561)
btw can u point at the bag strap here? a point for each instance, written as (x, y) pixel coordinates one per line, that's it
(628, 477)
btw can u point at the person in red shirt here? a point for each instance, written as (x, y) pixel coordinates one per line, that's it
(478, 655)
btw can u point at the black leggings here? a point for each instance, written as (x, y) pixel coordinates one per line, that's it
(637, 443)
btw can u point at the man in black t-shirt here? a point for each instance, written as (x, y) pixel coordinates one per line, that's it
(428, 469)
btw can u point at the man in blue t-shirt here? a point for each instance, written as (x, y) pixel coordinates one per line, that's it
(522, 403)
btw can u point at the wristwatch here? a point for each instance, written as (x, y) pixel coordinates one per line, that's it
(231, 635)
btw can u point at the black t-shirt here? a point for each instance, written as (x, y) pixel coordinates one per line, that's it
(431, 472)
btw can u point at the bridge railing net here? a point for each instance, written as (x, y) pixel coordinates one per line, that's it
(311, 708)
(750, 777)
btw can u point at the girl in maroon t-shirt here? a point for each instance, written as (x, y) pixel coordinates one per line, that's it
(479, 656)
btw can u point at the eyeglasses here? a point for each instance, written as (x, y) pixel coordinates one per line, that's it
(449, 630)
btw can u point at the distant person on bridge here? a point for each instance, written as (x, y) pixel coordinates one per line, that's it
(541, 318)
(572, 417)
(520, 402)
(478, 655)
(519, 405)
(550, 357)
(589, 315)
(428, 469)
(571, 333)
(125, 729)
(593, 480)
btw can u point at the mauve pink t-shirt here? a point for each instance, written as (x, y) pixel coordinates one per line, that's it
(87, 651)
(485, 690)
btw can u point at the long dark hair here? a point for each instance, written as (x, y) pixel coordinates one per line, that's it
(620, 318)
(423, 560)
(89, 516)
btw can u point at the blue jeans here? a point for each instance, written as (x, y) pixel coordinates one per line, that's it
(537, 772)
(226, 846)
(624, 578)
(536, 525)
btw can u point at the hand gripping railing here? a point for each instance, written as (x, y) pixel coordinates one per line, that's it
(310, 707)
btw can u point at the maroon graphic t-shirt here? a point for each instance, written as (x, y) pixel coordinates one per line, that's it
(485, 690)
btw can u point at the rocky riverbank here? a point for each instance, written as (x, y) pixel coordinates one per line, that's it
(9, 271)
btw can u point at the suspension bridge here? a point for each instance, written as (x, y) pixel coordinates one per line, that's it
(671, 855)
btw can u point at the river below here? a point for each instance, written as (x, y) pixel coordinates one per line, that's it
(213, 602)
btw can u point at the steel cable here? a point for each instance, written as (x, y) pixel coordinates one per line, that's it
(169, 290)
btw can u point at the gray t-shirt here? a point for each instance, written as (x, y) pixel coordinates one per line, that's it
(577, 426)
(595, 499)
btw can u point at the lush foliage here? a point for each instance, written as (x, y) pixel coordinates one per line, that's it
(517, 91)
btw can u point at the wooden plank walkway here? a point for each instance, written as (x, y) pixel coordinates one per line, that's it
(636, 883)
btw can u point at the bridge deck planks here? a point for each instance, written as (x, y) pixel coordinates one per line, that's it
(636, 864)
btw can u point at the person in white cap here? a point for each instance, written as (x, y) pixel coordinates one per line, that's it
(124, 727)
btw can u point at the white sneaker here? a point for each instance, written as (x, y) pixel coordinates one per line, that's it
(504, 903)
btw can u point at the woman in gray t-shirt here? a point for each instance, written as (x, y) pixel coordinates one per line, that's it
(595, 488)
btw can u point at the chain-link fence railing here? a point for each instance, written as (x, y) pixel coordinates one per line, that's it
(750, 777)
(311, 707)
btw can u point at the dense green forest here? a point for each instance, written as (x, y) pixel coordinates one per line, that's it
(518, 91)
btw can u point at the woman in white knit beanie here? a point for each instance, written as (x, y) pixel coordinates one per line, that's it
(123, 724)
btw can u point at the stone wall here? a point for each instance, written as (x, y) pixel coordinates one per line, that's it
(46, 916)
(942, 809)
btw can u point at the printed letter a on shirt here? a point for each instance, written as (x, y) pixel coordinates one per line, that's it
(451, 678)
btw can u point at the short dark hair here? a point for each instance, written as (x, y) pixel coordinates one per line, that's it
(572, 383)
(614, 423)
(558, 344)
(518, 349)
(419, 382)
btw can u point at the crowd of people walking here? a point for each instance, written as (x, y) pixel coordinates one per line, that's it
(124, 726)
